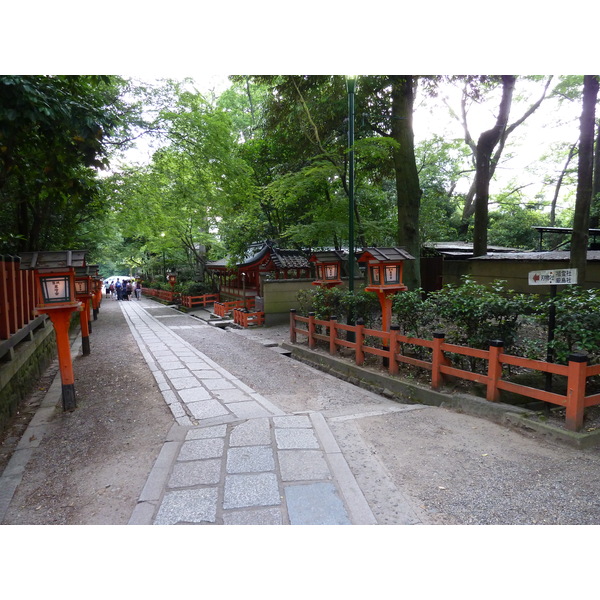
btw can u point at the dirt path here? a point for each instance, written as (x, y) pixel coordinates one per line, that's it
(92, 463)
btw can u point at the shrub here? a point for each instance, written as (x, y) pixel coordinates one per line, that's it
(577, 323)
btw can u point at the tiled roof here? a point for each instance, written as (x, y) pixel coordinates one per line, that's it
(289, 259)
(388, 254)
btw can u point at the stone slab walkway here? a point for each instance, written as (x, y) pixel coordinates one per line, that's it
(232, 457)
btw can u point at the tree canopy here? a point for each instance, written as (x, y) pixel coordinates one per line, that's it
(268, 159)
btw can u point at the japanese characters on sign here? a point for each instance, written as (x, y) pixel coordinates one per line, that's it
(555, 277)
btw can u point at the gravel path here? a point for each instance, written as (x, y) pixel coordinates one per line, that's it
(415, 464)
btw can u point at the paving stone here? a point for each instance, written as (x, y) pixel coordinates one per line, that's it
(177, 373)
(218, 384)
(250, 459)
(292, 421)
(184, 383)
(231, 395)
(255, 432)
(248, 410)
(206, 432)
(208, 374)
(194, 364)
(259, 489)
(188, 506)
(194, 394)
(288, 439)
(260, 516)
(177, 409)
(302, 465)
(198, 472)
(206, 409)
(169, 396)
(315, 504)
(169, 365)
(201, 449)
(161, 352)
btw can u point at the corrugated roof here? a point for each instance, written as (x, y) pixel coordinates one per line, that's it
(592, 255)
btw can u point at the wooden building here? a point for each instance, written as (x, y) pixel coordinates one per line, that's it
(262, 261)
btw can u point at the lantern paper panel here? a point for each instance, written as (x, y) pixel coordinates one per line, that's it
(56, 289)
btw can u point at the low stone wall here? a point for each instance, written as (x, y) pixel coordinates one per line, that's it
(281, 295)
(19, 375)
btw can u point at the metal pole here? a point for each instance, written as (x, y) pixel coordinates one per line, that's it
(350, 85)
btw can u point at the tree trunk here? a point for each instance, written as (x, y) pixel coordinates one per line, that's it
(583, 199)
(408, 191)
(485, 146)
(572, 152)
(595, 210)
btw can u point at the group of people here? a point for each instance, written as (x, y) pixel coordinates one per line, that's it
(122, 290)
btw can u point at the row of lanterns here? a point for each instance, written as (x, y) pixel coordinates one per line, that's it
(65, 284)
(384, 268)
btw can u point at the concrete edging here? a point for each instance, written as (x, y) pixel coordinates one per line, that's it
(411, 393)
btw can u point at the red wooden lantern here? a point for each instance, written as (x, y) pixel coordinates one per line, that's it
(172, 278)
(329, 268)
(56, 297)
(384, 268)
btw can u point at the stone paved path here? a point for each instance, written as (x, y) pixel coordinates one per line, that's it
(233, 457)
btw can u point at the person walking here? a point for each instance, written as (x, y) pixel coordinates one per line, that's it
(138, 290)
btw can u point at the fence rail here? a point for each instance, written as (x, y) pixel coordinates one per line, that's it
(187, 301)
(17, 304)
(196, 301)
(225, 309)
(576, 371)
(245, 318)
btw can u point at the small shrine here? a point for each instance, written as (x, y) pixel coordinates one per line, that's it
(243, 280)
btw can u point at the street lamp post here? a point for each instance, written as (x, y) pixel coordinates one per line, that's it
(350, 87)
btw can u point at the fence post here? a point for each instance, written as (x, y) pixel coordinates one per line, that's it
(11, 287)
(359, 354)
(4, 304)
(293, 325)
(332, 335)
(393, 363)
(311, 330)
(494, 370)
(437, 359)
(576, 391)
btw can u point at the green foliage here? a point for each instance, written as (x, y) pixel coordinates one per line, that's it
(414, 313)
(577, 323)
(339, 303)
(54, 135)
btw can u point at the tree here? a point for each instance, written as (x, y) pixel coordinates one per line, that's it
(483, 166)
(53, 137)
(583, 200)
(488, 150)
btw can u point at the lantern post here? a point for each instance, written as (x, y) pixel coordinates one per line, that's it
(384, 268)
(55, 293)
(328, 265)
(84, 293)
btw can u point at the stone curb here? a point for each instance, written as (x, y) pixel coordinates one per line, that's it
(503, 414)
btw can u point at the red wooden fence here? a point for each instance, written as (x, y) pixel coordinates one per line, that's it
(17, 304)
(246, 318)
(577, 371)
